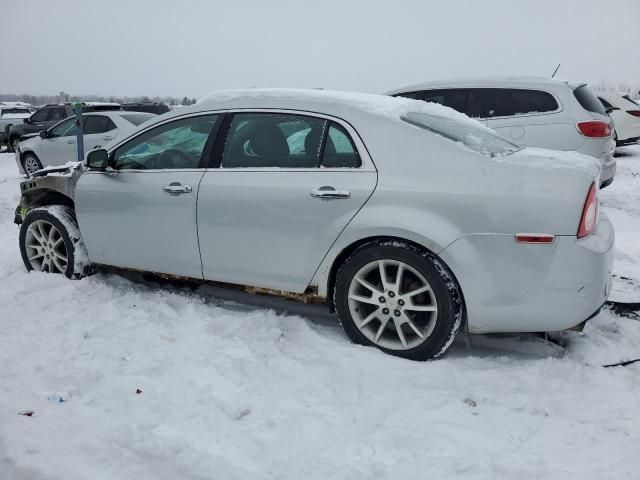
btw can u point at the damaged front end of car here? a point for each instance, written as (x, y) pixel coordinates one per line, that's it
(49, 186)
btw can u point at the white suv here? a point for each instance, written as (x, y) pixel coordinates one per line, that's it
(534, 112)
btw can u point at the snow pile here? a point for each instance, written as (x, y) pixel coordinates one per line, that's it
(136, 380)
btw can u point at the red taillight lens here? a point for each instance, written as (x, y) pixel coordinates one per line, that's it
(589, 219)
(594, 128)
(635, 113)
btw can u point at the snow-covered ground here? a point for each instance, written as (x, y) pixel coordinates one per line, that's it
(232, 392)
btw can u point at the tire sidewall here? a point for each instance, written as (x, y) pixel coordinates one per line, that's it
(424, 263)
(44, 215)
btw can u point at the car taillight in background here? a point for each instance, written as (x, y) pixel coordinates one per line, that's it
(589, 219)
(635, 113)
(594, 128)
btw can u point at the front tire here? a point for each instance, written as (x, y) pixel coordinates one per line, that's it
(31, 164)
(50, 241)
(399, 299)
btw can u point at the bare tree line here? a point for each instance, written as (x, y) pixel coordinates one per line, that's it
(64, 97)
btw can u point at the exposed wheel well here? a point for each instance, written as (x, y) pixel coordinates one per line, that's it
(42, 198)
(347, 251)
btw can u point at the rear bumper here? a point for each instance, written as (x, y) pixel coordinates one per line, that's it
(511, 287)
(608, 171)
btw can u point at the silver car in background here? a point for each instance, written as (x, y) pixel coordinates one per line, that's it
(57, 145)
(530, 111)
(409, 219)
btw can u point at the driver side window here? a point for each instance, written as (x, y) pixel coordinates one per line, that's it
(64, 129)
(175, 145)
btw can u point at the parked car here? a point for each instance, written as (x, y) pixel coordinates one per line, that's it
(48, 115)
(149, 107)
(409, 219)
(10, 113)
(625, 115)
(57, 145)
(534, 112)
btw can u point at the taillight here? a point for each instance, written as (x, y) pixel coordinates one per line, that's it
(635, 113)
(589, 219)
(594, 128)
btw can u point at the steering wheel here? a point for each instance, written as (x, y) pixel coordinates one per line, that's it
(174, 158)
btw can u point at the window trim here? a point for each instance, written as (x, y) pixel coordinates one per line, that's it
(367, 164)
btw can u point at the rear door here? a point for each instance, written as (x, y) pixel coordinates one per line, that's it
(142, 214)
(287, 185)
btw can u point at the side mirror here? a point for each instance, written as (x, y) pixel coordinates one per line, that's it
(27, 120)
(44, 134)
(611, 109)
(98, 159)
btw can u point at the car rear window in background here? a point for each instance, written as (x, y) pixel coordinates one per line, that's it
(588, 100)
(137, 118)
(12, 111)
(507, 102)
(477, 139)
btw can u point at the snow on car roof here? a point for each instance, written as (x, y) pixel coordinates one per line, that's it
(326, 101)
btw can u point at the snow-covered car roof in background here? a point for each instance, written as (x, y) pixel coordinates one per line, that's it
(486, 82)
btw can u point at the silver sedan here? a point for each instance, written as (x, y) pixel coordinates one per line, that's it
(410, 220)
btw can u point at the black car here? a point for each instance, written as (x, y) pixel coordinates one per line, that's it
(47, 116)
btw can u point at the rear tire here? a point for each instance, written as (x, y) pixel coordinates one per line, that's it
(414, 312)
(50, 241)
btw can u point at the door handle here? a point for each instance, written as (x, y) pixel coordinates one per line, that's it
(107, 138)
(175, 188)
(71, 141)
(329, 193)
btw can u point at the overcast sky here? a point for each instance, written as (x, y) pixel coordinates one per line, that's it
(192, 47)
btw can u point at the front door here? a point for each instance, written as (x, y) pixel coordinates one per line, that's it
(142, 215)
(60, 145)
(287, 185)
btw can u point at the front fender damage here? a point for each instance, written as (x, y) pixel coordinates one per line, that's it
(49, 186)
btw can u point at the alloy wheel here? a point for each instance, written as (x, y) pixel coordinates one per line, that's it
(45, 248)
(15, 145)
(392, 304)
(31, 165)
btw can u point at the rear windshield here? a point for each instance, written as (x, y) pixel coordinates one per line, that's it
(588, 100)
(137, 118)
(476, 138)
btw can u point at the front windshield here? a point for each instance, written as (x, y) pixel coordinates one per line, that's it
(479, 139)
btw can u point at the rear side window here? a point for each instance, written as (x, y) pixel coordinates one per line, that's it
(339, 150)
(476, 138)
(262, 140)
(588, 100)
(98, 124)
(9, 111)
(507, 102)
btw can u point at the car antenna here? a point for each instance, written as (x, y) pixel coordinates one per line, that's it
(555, 71)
